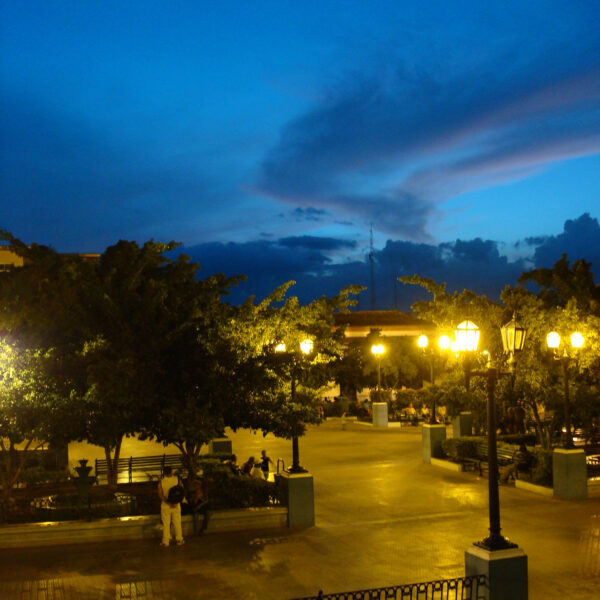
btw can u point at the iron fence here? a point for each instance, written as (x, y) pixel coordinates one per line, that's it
(463, 588)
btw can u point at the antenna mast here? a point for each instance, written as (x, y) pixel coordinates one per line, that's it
(371, 259)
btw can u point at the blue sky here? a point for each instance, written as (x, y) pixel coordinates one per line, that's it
(283, 130)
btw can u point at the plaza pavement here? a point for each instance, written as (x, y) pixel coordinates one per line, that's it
(383, 517)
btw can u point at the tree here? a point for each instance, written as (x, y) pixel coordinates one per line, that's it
(32, 413)
(287, 381)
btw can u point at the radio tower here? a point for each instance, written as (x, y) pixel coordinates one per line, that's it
(371, 263)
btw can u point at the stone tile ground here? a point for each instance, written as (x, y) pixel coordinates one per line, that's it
(383, 518)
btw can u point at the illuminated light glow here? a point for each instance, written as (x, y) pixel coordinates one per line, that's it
(467, 336)
(444, 342)
(454, 346)
(377, 349)
(306, 346)
(423, 341)
(553, 340)
(577, 340)
(280, 347)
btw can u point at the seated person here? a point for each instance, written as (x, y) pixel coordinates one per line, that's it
(231, 462)
(198, 501)
(522, 461)
(248, 466)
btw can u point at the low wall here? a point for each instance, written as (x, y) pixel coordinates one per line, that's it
(135, 528)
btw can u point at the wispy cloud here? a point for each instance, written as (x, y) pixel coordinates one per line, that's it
(389, 148)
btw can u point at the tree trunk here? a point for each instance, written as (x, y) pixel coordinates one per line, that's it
(112, 464)
(190, 456)
(13, 462)
(542, 431)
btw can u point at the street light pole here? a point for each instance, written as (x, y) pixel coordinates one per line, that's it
(553, 343)
(513, 338)
(444, 344)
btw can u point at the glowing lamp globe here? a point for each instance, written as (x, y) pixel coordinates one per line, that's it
(377, 349)
(467, 336)
(306, 346)
(577, 340)
(444, 342)
(422, 341)
(553, 340)
(280, 347)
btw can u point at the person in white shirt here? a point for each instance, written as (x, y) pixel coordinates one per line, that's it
(169, 513)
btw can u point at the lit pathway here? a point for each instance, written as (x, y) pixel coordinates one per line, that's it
(383, 518)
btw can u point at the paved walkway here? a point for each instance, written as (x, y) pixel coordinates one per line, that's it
(383, 518)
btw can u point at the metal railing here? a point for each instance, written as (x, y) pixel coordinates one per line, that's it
(462, 588)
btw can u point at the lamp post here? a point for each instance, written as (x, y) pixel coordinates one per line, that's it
(443, 344)
(553, 343)
(378, 350)
(467, 339)
(306, 347)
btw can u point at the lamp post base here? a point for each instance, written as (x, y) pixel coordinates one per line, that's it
(505, 570)
(432, 438)
(380, 414)
(298, 493)
(569, 474)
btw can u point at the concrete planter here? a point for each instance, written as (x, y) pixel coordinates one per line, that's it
(536, 489)
(135, 528)
(446, 464)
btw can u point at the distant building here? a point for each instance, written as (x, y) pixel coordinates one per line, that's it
(391, 323)
(9, 259)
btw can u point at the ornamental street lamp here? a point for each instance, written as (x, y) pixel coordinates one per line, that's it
(306, 347)
(378, 350)
(443, 344)
(467, 339)
(553, 343)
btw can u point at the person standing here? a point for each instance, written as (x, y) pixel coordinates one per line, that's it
(170, 507)
(264, 464)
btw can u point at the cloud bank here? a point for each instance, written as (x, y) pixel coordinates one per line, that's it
(474, 264)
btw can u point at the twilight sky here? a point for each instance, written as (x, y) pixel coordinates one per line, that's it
(268, 136)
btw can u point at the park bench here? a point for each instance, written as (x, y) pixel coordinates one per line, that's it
(480, 460)
(593, 465)
(153, 466)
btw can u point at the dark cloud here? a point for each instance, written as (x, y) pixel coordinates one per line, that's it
(516, 116)
(316, 243)
(473, 264)
(309, 214)
(580, 239)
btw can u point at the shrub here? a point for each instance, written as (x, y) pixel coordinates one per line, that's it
(459, 448)
(529, 439)
(226, 490)
(37, 475)
(542, 469)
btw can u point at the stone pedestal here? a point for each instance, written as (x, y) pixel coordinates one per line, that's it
(380, 414)
(569, 474)
(433, 436)
(462, 425)
(506, 572)
(220, 446)
(298, 493)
